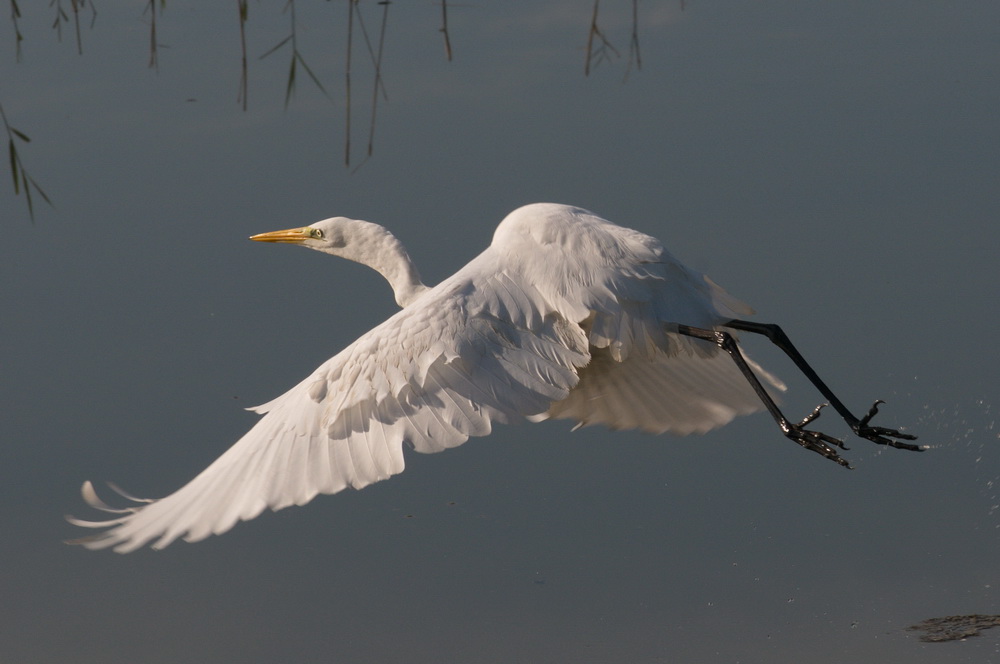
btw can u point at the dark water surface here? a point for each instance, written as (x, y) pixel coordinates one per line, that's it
(834, 165)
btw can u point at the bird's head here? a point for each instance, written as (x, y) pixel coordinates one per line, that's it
(329, 236)
(362, 242)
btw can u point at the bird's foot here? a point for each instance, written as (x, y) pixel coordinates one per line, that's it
(817, 441)
(882, 435)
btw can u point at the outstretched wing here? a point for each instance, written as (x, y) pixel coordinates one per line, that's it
(476, 349)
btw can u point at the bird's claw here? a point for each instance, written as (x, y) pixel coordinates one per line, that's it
(817, 441)
(824, 444)
(883, 435)
(813, 415)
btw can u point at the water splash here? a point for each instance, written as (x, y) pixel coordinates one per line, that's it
(971, 428)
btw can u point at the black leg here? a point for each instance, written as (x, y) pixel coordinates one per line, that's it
(860, 426)
(816, 441)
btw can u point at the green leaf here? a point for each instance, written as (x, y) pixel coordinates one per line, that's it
(276, 47)
(291, 82)
(40, 191)
(27, 194)
(13, 165)
(21, 135)
(312, 75)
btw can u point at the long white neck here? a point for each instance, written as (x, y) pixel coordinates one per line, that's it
(374, 246)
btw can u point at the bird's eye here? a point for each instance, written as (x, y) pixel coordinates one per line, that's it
(315, 233)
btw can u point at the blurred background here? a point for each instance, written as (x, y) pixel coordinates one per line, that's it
(833, 164)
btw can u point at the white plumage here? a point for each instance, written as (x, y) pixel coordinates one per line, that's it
(565, 315)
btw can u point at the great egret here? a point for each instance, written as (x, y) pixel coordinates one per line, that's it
(565, 315)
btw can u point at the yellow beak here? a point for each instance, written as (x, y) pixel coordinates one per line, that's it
(292, 235)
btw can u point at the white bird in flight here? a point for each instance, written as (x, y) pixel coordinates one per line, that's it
(564, 315)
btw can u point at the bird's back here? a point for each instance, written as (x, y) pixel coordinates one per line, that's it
(588, 266)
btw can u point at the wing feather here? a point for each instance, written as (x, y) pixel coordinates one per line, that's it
(478, 349)
(680, 393)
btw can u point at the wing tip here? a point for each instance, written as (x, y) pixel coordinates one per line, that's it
(109, 537)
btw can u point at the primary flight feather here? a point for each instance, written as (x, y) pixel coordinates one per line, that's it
(564, 315)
